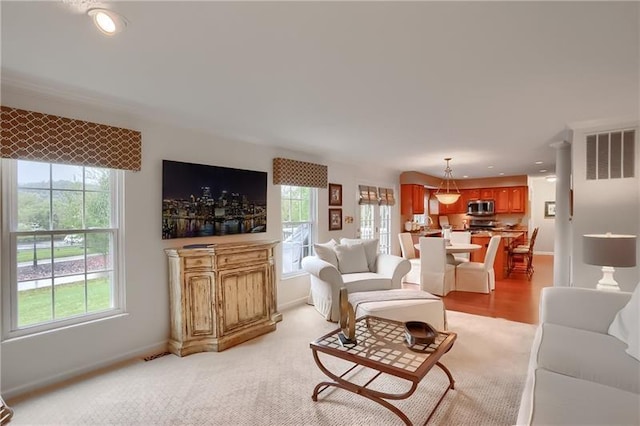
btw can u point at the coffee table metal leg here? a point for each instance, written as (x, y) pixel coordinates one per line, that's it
(373, 395)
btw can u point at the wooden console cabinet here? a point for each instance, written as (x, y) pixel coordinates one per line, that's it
(221, 295)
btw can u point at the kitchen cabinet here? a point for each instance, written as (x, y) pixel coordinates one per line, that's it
(473, 194)
(511, 199)
(411, 199)
(487, 194)
(518, 199)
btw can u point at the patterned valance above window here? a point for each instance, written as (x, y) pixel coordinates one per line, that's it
(299, 173)
(385, 196)
(368, 194)
(29, 135)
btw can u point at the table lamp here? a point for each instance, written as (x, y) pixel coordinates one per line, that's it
(609, 251)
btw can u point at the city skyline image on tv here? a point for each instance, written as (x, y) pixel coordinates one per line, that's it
(200, 200)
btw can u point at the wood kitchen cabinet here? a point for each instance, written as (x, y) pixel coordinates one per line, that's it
(487, 194)
(511, 199)
(221, 295)
(412, 199)
(518, 199)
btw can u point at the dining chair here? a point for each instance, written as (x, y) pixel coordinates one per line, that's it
(436, 275)
(533, 237)
(479, 277)
(520, 258)
(461, 238)
(409, 253)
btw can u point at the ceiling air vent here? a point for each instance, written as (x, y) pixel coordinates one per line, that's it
(611, 155)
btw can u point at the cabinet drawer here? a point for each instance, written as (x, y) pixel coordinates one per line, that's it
(238, 259)
(198, 262)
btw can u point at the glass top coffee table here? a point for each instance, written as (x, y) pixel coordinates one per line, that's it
(381, 346)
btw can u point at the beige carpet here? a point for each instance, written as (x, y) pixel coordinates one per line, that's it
(269, 381)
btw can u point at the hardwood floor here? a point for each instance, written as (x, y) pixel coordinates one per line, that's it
(515, 298)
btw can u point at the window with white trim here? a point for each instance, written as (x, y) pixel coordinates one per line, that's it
(298, 226)
(61, 245)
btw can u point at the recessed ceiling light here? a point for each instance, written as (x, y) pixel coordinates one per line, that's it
(543, 170)
(465, 176)
(551, 178)
(107, 21)
(501, 174)
(490, 167)
(539, 162)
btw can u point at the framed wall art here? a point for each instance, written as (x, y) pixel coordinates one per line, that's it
(549, 209)
(335, 219)
(335, 194)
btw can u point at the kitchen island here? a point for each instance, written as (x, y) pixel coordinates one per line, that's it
(508, 239)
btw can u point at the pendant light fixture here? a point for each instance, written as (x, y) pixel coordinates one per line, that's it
(447, 196)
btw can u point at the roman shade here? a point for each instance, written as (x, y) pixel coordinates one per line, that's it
(368, 194)
(385, 196)
(29, 135)
(299, 173)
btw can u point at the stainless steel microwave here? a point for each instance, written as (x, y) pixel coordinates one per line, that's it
(480, 208)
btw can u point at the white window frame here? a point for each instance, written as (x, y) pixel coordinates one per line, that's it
(313, 225)
(8, 255)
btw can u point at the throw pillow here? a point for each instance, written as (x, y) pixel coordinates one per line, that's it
(626, 325)
(370, 249)
(326, 252)
(351, 258)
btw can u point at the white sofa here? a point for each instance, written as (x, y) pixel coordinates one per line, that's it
(578, 373)
(384, 272)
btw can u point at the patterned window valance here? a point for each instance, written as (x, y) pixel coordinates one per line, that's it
(29, 135)
(368, 194)
(299, 173)
(386, 197)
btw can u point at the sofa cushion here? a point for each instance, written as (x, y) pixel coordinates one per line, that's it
(370, 249)
(626, 324)
(326, 252)
(559, 399)
(351, 258)
(365, 281)
(588, 355)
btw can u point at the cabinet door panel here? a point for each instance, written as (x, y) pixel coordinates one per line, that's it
(199, 291)
(418, 199)
(244, 292)
(502, 200)
(406, 199)
(518, 199)
(487, 194)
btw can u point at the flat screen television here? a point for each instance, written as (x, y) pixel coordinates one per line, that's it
(202, 201)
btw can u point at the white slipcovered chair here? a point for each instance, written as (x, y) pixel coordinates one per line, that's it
(409, 253)
(436, 275)
(463, 237)
(479, 277)
(354, 264)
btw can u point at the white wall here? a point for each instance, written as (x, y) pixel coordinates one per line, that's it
(540, 191)
(602, 206)
(34, 361)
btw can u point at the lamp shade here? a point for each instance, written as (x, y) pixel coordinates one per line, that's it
(448, 197)
(614, 250)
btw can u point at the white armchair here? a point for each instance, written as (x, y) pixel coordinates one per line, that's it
(436, 275)
(326, 281)
(409, 253)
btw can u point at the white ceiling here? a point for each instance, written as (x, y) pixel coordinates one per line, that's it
(403, 84)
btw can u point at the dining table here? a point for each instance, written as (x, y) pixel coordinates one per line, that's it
(456, 248)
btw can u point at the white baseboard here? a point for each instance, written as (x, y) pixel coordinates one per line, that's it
(293, 303)
(70, 374)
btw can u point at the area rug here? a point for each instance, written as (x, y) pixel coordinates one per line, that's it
(269, 381)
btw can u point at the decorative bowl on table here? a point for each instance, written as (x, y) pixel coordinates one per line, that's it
(419, 333)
